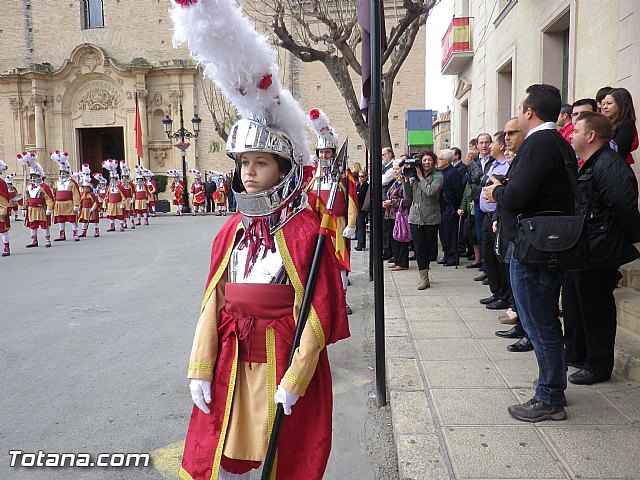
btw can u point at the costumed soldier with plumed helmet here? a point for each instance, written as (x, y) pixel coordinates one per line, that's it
(261, 262)
(8, 200)
(345, 208)
(13, 192)
(152, 188)
(127, 190)
(114, 201)
(38, 204)
(101, 191)
(197, 190)
(89, 203)
(177, 187)
(67, 197)
(141, 197)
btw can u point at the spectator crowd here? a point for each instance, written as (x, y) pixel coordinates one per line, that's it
(551, 159)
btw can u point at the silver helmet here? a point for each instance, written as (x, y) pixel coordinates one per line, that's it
(280, 202)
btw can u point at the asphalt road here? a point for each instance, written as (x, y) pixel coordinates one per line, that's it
(95, 339)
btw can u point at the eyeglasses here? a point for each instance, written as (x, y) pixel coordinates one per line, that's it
(361, 176)
(510, 133)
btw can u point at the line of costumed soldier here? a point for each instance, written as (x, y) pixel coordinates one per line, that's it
(274, 298)
(198, 192)
(72, 199)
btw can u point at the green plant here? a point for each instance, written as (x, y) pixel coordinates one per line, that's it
(161, 183)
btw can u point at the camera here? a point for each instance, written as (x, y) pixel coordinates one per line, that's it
(409, 166)
(501, 178)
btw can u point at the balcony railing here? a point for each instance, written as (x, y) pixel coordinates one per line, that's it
(456, 47)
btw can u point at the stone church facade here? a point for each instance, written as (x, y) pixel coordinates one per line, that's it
(71, 75)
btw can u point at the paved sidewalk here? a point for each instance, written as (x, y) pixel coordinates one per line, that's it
(451, 379)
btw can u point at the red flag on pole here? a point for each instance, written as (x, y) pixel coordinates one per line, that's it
(137, 128)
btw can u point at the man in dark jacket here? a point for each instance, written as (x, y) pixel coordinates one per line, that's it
(477, 169)
(608, 196)
(362, 188)
(450, 201)
(539, 180)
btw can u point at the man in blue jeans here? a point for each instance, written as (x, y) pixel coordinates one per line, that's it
(539, 181)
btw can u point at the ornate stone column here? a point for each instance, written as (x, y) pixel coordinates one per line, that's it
(41, 146)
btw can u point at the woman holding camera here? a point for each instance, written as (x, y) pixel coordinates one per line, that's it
(392, 205)
(424, 188)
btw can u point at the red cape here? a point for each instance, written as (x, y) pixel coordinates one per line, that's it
(305, 437)
(4, 190)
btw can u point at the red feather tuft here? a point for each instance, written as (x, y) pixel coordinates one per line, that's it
(265, 82)
(314, 114)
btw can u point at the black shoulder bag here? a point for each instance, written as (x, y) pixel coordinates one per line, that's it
(553, 240)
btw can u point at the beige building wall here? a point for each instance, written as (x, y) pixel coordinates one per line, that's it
(54, 65)
(525, 37)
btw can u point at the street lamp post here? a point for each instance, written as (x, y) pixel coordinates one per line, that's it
(182, 134)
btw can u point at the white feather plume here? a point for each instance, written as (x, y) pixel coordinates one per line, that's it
(240, 61)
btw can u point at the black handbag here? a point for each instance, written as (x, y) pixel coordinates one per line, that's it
(553, 240)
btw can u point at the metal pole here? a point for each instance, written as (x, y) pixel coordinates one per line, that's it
(183, 154)
(376, 200)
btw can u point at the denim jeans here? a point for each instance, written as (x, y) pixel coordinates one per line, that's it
(536, 293)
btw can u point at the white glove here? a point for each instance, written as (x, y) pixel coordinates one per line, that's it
(48, 213)
(76, 208)
(93, 209)
(287, 399)
(121, 206)
(349, 232)
(201, 393)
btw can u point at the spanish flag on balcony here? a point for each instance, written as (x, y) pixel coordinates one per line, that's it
(456, 39)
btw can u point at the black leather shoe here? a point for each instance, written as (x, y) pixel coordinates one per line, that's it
(522, 345)
(449, 264)
(359, 249)
(536, 411)
(585, 377)
(487, 300)
(498, 305)
(481, 277)
(516, 332)
(474, 265)
(485, 281)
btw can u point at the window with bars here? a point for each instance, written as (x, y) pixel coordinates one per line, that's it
(92, 14)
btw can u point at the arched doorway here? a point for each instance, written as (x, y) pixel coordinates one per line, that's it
(98, 144)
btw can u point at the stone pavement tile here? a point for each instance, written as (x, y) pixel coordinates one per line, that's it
(417, 312)
(519, 371)
(600, 452)
(420, 457)
(399, 347)
(395, 327)
(431, 301)
(467, 300)
(485, 328)
(403, 374)
(410, 413)
(411, 290)
(616, 384)
(496, 348)
(480, 406)
(628, 401)
(461, 373)
(393, 310)
(585, 407)
(450, 329)
(479, 313)
(500, 453)
(449, 349)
